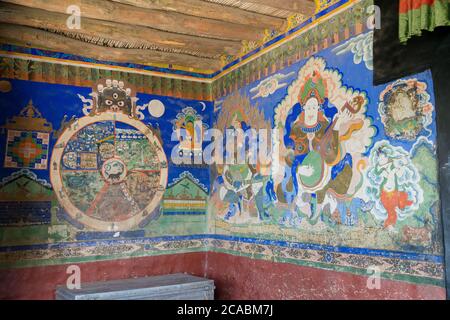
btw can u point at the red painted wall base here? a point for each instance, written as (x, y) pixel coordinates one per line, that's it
(40, 282)
(244, 278)
(235, 277)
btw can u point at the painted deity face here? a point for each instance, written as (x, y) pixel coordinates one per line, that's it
(311, 110)
(114, 99)
(403, 107)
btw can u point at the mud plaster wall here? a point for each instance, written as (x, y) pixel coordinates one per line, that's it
(364, 201)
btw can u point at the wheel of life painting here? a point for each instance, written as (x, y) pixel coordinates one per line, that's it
(109, 172)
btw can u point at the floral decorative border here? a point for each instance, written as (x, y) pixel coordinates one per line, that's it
(391, 267)
(403, 266)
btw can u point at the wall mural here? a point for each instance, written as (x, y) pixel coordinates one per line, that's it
(109, 169)
(349, 182)
(350, 29)
(92, 164)
(240, 187)
(27, 139)
(405, 109)
(353, 169)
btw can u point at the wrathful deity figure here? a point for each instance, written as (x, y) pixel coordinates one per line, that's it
(114, 97)
(242, 185)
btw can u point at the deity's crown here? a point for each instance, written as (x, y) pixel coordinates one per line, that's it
(314, 87)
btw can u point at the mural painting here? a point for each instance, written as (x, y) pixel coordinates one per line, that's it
(348, 178)
(405, 109)
(84, 164)
(185, 195)
(25, 200)
(323, 153)
(240, 186)
(108, 169)
(352, 166)
(189, 128)
(27, 139)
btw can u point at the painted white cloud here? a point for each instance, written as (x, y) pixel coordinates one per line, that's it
(155, 108)
(361, 47)
(270, 85)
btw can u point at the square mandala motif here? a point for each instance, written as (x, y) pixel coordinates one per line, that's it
(27, 149)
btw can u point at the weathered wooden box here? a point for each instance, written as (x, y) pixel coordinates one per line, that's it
(169, 287)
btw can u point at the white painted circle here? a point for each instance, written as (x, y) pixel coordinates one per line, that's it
(156, 108)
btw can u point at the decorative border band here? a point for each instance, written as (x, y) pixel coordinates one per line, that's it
(404, 266)
(14, 66)
(391, 265)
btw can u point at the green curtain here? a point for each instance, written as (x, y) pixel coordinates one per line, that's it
(419, 15)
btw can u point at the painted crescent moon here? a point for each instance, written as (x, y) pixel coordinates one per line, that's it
(203, 106)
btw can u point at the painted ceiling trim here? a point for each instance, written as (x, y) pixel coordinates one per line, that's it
(325, 9)
(10, 51)
(306, 25)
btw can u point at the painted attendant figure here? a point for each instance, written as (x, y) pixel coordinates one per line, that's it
(391, 198)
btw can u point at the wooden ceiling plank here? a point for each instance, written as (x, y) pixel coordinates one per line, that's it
(201, 8)
(305, 7)
(256, 8)
(20, 15)
(35, 38)
(158, 19)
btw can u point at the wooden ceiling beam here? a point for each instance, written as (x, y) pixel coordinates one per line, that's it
(35, 38)
(305, 7)
(127, 34)
(205, 9)
(161, 20)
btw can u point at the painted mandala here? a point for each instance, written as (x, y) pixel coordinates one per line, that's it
(109, 171)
